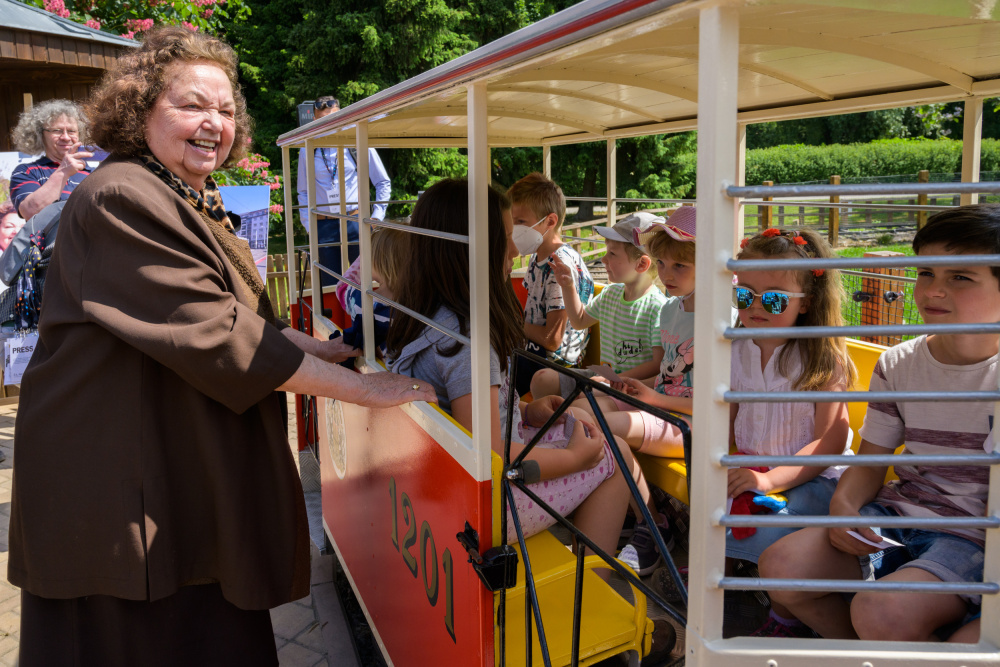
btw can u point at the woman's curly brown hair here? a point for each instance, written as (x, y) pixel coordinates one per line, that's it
(120, 105)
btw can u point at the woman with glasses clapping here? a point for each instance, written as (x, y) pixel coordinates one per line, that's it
(57, 129)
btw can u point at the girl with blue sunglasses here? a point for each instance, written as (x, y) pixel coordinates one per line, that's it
(786, 298)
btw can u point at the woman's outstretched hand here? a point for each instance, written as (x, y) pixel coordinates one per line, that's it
(383, 390)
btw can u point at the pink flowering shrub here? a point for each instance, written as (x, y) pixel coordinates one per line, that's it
(139, 25)
(57, 7)
(131, 18)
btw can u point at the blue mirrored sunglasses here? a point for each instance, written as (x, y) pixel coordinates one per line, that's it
(773, 301)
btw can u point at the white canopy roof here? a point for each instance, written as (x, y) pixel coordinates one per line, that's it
(605, 69)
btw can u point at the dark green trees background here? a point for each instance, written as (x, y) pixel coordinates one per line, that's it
(293, 50)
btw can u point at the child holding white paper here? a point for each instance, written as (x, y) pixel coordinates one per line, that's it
(946, 362)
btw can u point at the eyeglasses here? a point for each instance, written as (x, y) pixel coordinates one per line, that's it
(326, 104)
(58, 131)
(773, 301)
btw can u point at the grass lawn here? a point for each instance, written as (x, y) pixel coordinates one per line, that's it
(858, 251)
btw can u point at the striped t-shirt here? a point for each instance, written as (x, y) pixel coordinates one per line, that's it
(935, 427)
(29, 177)
(629, 329)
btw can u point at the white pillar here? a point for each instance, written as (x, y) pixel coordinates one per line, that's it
(365, 237)
(479, 287)
(990, 625)
(972, 139)
(316, 289)
(718, 50)
(547, 161)
(741, 179)
(342, 189)
(612, 180)
(291, 266)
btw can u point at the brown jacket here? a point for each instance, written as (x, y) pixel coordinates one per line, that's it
(150, 452)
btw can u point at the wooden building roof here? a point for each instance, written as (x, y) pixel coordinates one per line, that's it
(47, 57)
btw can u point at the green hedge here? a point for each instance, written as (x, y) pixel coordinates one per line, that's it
(887, 157)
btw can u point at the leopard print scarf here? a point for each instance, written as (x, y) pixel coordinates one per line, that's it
(209, 205)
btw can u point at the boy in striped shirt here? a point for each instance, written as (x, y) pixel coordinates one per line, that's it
(945, 362)
(628, 309)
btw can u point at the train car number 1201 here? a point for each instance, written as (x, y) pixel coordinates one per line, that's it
(428, 557)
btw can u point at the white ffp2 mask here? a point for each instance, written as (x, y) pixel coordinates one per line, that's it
(527, 239)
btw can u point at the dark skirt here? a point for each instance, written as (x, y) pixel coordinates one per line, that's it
(195, 626)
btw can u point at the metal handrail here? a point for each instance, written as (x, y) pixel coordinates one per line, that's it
(860, 207)
(454, 335)
(741, 333)
(802, 520)
(857, 396)
(861, 460)
(861, 262)
(748, 191)
(856, 586)
(336, 275)
(880, 276)
(447, 236)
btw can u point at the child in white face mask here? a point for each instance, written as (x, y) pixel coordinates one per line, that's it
(539, 208)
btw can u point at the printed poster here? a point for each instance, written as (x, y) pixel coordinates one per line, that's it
(252, 203)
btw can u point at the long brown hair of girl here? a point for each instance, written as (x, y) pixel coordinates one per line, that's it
(822, 358)
(438, 274)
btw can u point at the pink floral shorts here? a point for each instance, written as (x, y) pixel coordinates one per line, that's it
(563, 494)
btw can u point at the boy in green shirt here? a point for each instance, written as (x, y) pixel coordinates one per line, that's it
(628, 309)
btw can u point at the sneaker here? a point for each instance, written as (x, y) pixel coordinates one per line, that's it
(640, 553)
(776, 629)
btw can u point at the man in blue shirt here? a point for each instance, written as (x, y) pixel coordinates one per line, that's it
(328, 192)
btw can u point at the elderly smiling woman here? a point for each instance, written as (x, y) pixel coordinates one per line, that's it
(157, 514)
(56, 129)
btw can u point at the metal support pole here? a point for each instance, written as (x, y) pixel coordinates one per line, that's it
(342, 188)
(290, 263)
(972, 139)
(479, 292)
(741, 179)
(365, 237)
(718, 80)
(316, 290)
(834, 231)
(612, 181)
(547, 161)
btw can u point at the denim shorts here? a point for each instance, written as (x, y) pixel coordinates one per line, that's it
(948, 557)
(809, 499)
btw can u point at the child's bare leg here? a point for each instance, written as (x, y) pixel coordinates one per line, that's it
(627, 425)
(602, 514)
(607, 405)
(639, 479)
(901, 616)
(544, 382)
(808, 554)
(665, 439)
(967, 634)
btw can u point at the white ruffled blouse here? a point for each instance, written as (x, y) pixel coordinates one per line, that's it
(772, 429)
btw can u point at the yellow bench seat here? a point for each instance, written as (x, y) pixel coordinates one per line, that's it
(609, 624)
